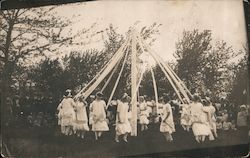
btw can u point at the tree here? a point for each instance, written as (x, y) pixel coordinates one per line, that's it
(78, 66)
(216, 68)
(190, 52)
(27, 33)
(240, 82)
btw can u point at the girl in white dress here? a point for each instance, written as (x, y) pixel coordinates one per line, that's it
(92, 98)
(200, 127)
(99, 116)
(210, 109)
(185, 117)
(81, 122)
(167, 123)
(143, 117)
(122, 119)
(67, 114)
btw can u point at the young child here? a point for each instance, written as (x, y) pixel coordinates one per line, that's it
(122, 121)
(92, 98)
(143, 114)
(185, 117)
(226, 125)
(81, 121)
(218, 124)
(167, 123)
(99, 116)
(233, 127)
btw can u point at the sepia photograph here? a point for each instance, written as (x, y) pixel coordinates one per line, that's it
(108, 78)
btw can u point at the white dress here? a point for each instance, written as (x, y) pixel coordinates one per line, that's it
(160, 109)
(211, 114)
(185, 115)
(123, 126)
(143, 113)
(167, 123)
(149, 107)
(200, 125)
(91, 114)
(99, 116)
(81, 122)
(66, 114)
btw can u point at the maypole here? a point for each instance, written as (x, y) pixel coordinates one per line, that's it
(155, 86)
(133, 85)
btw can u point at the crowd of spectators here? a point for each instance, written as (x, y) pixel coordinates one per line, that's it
(40, 111)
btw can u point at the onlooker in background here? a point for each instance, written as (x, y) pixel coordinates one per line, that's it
(218, 126)
(50, 103)
(233, 127)
(242, 120)
(16, 107)
(248, 119)
(8, 113)
(226, 125)
(38, 122)
(26, 103)
(224, 116)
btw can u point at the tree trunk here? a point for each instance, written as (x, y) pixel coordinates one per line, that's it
(7, 71)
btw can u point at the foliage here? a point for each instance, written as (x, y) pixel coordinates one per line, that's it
(205, 67)
(240, 83)
(190, 51)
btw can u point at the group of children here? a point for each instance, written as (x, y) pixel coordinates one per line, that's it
(73, 118)
(198, 116)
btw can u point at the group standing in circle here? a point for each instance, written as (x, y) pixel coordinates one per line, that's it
(74, 119)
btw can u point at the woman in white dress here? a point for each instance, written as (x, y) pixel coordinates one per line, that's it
(66, 113)
(99, 116)
(143, 117)
(122, 119)
(200, 126)
(81, 122)
(167, 123)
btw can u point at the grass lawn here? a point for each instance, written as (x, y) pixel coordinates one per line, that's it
(41, 142)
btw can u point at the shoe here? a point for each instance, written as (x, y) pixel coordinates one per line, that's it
(117, 140)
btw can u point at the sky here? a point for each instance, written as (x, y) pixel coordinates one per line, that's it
(224, 17)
